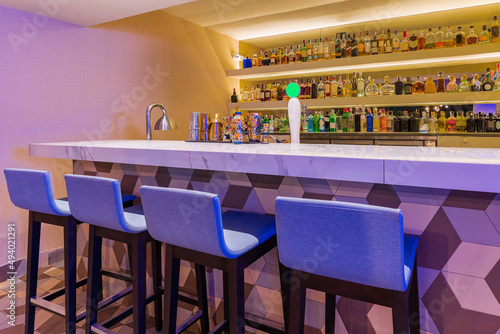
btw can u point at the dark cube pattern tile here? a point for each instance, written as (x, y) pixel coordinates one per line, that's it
(437, 243)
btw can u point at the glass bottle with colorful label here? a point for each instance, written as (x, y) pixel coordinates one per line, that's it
(491, 123)
(440, 83)
(404, 46)
(345, 121)
(460, 39)
(310, 122)
(396, 43)
(452, 123)
(430, 86)
(449, 38)
(408, 86)
(471, 122)
(333, 121)
(424, 123)
(418, 86)
(421, 41)
(442, 122)
(321, 122)
(433, 123)
(484, 36)
(495, 31)
(371, 89)
(461, 122)
(405, 122)
(369, 121)
(387, 88)
(452, 86)
(363, 120)
(472, 38)
(465, 85)
(383, 121)
(439, 39)
(413, 43)
(376, 120)
(430, 40)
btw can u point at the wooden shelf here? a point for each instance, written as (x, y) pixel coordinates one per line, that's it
(472, 54)
(379, 101)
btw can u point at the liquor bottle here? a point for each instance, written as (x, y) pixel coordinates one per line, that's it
(327, 122)
(338, 49)
(234, 97)
(260, 59)
(424, 123)
(321, 122)
(354, 46)
(408, 87)
(488, 83)
(421, 41)
(465, 85)
(348, 46)
(481, 122)
(439, 39)
(314, 89)
(387, 88)
(334, 87)
(321, 88)
(461, 122)
(363, 120)
(308, 89)
(361, 44)
(369, 121)
(398, 86)
(497, 124)
(274, 92)
(449, 38)
(440, 83)
(430, 40)
(368, 44)
(405, 44)
(381, 42)
(418, 86)
(389, 42)
(345, 121)
(302, 86)
(371, 89)
(279, 91)
(273, 58)
(413, 43)
(252, 94)
(375, 48)
(460, 37)
(496, 78)
(396, 43)
(442, 122)
(361, 85)
(284, 57)
(430, 86)
(390, 121)
(309, 51)
(315, 50)
(397, 123)
(357, 120)
(246, 95)
(303, 52)
(267, 60)
(495, 31)
(383, 121)
(310, 122)
(491, 123)
(328, 87)
(351, 121)
(343, 46)
(283, 93)
(452, 123)
(331, 48)
(354, 85)
(452, 86)
(405, 122)
(333, 121)
(298, 54)
(339, 121)
(414, 122)
(376, 120)
(321, 54)
(255, 60)
(326, 49)
(290, 56)
(471, 122)
(257, 94)
(347, 87)
(484, 36)
(472, 38)
(433, 123)
(340, 87)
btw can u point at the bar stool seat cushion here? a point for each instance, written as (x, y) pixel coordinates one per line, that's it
(32, 190)
(244, 231)
(347, 241)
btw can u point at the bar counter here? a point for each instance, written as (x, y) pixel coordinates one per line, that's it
(450, 198)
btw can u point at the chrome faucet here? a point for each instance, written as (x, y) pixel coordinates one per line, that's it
(164, 123)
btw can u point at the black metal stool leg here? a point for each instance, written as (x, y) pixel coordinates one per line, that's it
(285, 292)
(201, 287)
(330, 313)
(94, 273)
(139, 283)
(156, 255)
(32, 274)
(236, 297)
(297, 304)
(171, 290)
(70, 274)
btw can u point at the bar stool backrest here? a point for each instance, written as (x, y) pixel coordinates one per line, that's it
(96, 200)
(185, 218)
(32, 190)
(352, 242)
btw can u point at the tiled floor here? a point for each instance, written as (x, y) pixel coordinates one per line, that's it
(52, 278)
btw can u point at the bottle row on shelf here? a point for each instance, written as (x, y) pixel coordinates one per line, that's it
(365, 120)
(344, 46)
(359, 87)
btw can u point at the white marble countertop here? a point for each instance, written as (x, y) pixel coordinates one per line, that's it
(450, 168)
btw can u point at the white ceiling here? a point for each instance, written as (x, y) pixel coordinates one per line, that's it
(89, 12)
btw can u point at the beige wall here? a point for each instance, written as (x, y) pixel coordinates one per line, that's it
(62, 82)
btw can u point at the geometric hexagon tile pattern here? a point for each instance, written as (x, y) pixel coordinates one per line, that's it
(458, 252)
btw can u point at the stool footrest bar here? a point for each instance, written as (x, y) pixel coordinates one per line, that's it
(48, 306)
(263, 327)
(125, 313)
(60, 292)
(110, 300)
(98, 329)
(220, 328)
(189, 322)
(116, 274)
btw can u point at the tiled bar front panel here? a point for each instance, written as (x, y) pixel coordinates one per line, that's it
(458, 254)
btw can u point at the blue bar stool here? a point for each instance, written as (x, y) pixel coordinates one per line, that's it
(192, 226)
(32, 190)
(352, 250)
(97, 201)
